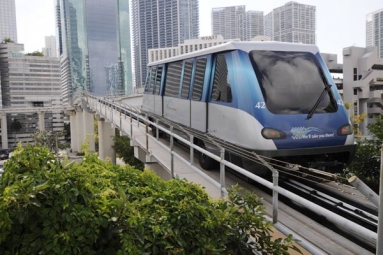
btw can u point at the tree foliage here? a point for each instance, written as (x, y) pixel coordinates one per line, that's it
(7, 40)
(126, 152)
(49, 139)
(366, 164)
(95, 207)
(16, 125)
(35, 53)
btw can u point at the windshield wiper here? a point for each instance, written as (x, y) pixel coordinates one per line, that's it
(326, 89)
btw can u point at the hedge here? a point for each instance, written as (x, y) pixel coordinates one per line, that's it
(94, 207)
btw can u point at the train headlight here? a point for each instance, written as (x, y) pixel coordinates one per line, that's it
(270, 133)
(345, 130)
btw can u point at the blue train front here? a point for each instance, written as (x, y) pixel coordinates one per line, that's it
(285, 105)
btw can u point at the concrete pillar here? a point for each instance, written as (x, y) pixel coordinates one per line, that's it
(74, 144)
(88, 129)
(41, 120)
(4, 131)
(105, 140)
(80, 128)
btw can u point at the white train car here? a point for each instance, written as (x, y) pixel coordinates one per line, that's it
(276, 99)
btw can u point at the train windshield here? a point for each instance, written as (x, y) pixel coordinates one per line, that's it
(291, 82)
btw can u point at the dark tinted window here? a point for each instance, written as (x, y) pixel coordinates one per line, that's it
(188, 67)
(199, 78)
(147, 82)
(221, 85)
(173, 79)
(291, 82)
(158, 80)
(153, 80)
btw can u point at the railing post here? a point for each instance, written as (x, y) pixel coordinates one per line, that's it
(147, 135)
(191, 150)
(275, 196)
(222, 172)
(131, 124)
(120, 120)
(275, 186)
(111, 113)
(379, 242)
(171, 153)
(157, 130)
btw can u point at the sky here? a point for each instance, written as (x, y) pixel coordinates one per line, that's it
(340, 23)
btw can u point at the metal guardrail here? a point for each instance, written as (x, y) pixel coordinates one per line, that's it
(32, 109)
(107, 107)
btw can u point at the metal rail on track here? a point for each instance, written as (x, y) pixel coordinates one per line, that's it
(354, 212)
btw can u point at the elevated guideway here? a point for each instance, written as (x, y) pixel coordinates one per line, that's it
(171, 161)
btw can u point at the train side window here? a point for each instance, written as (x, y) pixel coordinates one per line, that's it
(153, 80)
(188, 67)
(221, 85)
(173, 79)
(158, 80)
(199, 78)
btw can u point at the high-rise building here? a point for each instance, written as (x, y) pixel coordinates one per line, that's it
(224, 20)
(28, 82)
(158, 24)
(292, 22)
(250, 24)
(8, 20)
(50, 46)
(93, 37)
(374, 31)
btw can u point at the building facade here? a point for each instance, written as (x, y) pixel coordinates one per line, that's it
(186, 47)
(8, 27)
(374, 31)
(224, 20)
(94, 38)
(250, 24)
(363, 83)
(292, 22)
(50, 47)
(28, 82)
(159, 24)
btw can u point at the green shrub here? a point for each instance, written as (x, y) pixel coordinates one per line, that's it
(126, 152)
(53, 207)
(366, 164)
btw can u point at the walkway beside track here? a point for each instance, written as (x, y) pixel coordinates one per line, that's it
(158, 159)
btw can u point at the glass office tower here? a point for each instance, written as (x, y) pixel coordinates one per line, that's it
(95, 47)
(8, 20)
(374, 30)
(158, 24)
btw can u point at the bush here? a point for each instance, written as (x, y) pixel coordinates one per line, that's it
(126, 152)
(53, 207)
(366, 164)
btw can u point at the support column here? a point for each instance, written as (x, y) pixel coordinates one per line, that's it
(41, 120)
(74, 145)
(88, 129)
(80, 128)
(4, 131)
(105, 140)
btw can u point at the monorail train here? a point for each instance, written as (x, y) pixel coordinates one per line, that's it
(276, 99)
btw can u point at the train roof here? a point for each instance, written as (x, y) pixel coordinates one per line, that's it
(245, 46)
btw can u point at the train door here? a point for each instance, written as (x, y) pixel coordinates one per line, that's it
(148, 99)
(157, 92)
(222, 116)
(184, 103)
(198, 105)
(172, 83)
